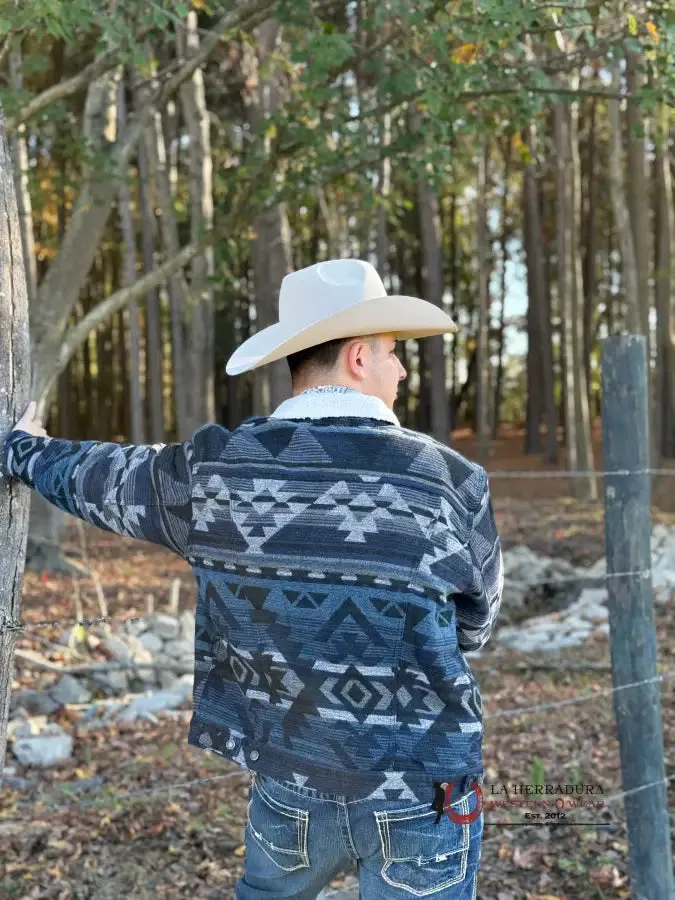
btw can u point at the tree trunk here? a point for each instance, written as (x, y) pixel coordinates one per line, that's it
(137, 435)
(482, 337)
(19, 150)
(538, 296)
(454, 290)
(638, 193)
(61, 286)
(202, 326)
(590, 245)
(158, 150)
(153, 321)
(15, 369)
(383, 192)
(432, 267)
(664, 221)
(271, 250)
(533, 370)
(499, 378)
(588, 489)
(620, 208)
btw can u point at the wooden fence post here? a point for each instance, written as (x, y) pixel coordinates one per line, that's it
(625, 440)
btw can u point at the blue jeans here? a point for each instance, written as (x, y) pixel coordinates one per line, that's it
(298, 839)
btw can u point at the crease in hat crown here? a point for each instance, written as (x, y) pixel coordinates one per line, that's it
(328, 287)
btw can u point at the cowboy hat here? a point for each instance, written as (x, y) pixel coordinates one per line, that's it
(339, 298)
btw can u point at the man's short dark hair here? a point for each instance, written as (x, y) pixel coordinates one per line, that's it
(321, 357)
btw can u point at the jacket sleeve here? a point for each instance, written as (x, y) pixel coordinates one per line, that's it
(136, 491)
(478, 608)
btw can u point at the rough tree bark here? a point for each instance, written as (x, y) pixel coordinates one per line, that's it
(15, 370)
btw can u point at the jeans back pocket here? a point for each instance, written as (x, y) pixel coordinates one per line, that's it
(280, 831)
(422, 857)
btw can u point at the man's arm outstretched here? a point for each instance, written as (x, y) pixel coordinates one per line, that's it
(136, 491)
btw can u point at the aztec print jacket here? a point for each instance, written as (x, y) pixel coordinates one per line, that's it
(344, 565)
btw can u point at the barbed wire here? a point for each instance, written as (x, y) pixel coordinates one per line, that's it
(579, 698)
(516, 711)
(120, 797)
(8, 624)
(575, 473)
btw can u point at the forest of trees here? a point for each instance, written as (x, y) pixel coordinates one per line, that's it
(173, 161)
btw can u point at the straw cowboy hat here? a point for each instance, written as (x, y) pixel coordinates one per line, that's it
(339, 298)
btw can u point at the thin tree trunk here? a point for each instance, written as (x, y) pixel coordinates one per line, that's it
(331, 223)
(664, 294)
(383, 192)
(590, 245)
(499, 378)
(15, 367)
(564, 243)
(137, 435)
(178, 290)
(588, 488)
(202, 324)
(271, 251)
(19, 151)
(638, 194)
(432, 267)
(153, 320)
(539, 300)
(482, 343)
(620, 208)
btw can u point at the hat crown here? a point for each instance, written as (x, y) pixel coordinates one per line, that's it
(326, 288)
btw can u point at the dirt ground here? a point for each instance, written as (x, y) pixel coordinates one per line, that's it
(113, 836)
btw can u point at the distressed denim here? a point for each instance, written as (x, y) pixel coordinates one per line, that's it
(298, 839)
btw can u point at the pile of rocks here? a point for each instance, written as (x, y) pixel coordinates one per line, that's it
(149, 670)
(587, 612)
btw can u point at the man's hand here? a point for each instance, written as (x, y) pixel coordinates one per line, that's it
(30, 423)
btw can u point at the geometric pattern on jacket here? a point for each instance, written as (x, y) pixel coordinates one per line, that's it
(343, 565)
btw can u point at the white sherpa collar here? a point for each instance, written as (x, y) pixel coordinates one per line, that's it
(334, 400)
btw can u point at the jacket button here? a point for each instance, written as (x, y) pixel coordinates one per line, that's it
(230, 744)
(254, 755)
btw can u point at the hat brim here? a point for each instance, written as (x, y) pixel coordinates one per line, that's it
(407, 317)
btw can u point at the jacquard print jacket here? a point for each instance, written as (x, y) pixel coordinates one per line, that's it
(344, 565)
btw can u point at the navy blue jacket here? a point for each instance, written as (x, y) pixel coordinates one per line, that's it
(344, 565)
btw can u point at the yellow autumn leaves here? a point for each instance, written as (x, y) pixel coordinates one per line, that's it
(466, 53)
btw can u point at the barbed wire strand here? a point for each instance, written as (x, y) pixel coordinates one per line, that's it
(9, 624)
(514, 712)
(146, 792)
(579, 698)
(119, 797)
